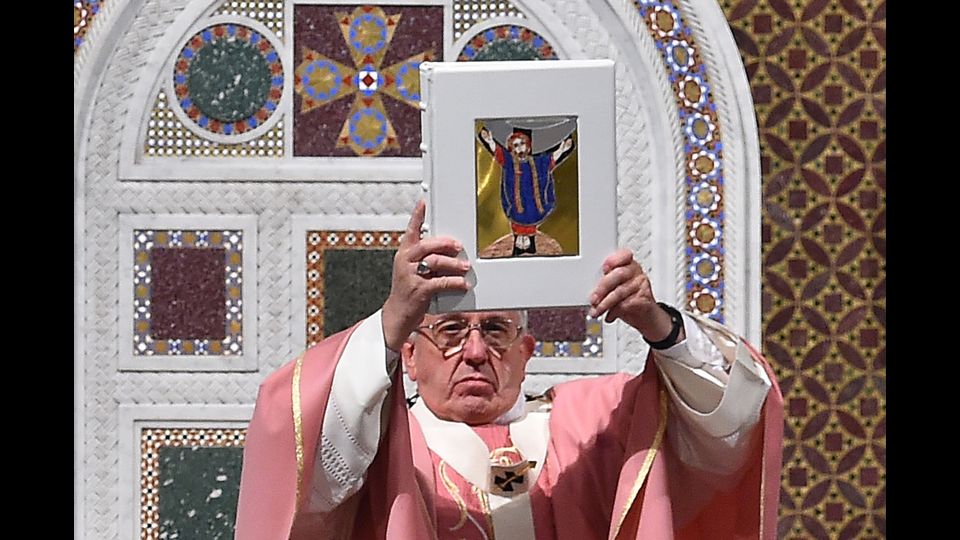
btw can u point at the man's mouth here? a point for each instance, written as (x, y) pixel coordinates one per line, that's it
(474, 380)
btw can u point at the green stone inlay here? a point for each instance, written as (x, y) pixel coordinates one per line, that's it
(503, 50)
(229, 80)
(198, 491)
(356, 282)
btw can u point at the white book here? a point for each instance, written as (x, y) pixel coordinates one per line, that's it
(519, 165)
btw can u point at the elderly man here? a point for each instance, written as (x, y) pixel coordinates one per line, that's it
(688, 449)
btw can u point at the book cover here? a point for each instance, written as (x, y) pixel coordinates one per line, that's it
(519, 166)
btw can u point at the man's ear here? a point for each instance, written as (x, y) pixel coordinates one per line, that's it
(527, 344)
(406, 354)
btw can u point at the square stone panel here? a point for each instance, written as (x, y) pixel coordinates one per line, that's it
(187, 292)
(187, 297)
(199, 488)
(558, 324)
(189, 482)
(356, 283)
(185, 283)
(348, 278)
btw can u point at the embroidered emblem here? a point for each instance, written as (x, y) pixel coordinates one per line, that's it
(508, 472)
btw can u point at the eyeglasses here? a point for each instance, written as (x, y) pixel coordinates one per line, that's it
(449, 335)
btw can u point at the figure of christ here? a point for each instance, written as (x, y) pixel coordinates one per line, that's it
(527, 192)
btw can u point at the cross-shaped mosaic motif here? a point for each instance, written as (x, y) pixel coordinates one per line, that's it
(320, 80)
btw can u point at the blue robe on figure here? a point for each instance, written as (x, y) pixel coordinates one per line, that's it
(527, 192)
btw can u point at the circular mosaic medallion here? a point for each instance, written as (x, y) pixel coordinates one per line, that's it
(325, 79)
(408, 81)
(228, 79)
(705, 301)
(368, 128)
(368, 33)
(507, 42)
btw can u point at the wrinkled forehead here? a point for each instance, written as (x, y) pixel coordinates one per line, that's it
(473, 316)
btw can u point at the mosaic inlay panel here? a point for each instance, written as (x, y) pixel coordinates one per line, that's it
(687, 74)
(818, 77)
(189, 482)
(228, 79)
(357, 82)
(83, 15)
(565, 332)
(360, 284)
(467, 13)
(356, 284)
(188, 297)
(166, 136)
(270, 14)
(507, 42)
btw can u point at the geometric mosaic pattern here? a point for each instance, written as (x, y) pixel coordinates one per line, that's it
(269, 14)
(687, 74)
(356, 293)
(507, 42)
(189, 482)
(565, 332)
(166, 136)
(84, 12)
(357, 82)
(188, 292)
(467, 13)
(228, 79)
(818, 78)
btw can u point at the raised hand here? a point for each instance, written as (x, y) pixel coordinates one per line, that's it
(410, 291)
(624, 293)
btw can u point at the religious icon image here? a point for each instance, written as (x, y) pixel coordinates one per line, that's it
(527, 187)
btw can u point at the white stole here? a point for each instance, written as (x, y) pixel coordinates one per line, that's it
(464, 450)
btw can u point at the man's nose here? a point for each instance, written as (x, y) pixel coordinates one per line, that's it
(474, 348)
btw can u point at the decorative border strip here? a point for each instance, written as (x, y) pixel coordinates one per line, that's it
(703, 148)
(84, 11)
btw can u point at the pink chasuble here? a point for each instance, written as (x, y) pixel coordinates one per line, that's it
(609, 470)
(462, 510)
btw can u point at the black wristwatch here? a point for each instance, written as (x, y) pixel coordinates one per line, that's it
(677, 320)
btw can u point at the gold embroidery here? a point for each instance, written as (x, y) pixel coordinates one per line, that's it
(517, 175)
(455, 493)
(536, 185)
(647, 461)
(298, 425)
(485, 507)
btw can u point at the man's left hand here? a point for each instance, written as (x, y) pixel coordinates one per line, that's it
(624, 292)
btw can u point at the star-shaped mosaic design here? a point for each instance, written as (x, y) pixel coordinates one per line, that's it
(321, 80)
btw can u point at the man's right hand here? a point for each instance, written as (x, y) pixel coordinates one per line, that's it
(410, 293)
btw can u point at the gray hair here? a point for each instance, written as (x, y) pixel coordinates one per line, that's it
(524, 319)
